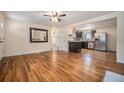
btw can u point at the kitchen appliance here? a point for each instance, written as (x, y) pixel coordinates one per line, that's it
(91, 45)
(101, 41)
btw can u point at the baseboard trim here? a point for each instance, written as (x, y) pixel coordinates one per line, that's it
(26, 53)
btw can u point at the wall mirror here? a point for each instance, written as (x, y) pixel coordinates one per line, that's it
(38, 35)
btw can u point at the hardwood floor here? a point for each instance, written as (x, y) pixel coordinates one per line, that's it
(59, 66)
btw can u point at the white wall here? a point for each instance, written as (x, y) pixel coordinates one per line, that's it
(111, 36)
(18, 40)
(2, 36)
(120, 37)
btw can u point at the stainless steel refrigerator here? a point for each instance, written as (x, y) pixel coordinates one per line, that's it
(101, 41)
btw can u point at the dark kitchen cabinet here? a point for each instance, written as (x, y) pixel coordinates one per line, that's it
(84, 45)
(75, 47)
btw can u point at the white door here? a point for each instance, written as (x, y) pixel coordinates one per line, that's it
(1, 43)
(54, 41)
(63, 40)
(55, 38)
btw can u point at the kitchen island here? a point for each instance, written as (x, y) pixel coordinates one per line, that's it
(76, 46)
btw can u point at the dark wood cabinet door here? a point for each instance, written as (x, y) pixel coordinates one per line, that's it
(75, 47)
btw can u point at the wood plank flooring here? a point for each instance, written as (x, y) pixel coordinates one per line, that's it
(59, 66)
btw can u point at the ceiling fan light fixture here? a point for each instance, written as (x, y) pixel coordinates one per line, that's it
(55, 16)
(54, 13)
(54, 19)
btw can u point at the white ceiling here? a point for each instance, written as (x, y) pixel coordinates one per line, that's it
(70, 18)
(99, 24)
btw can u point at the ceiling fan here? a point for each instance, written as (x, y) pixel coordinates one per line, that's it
(55, 16)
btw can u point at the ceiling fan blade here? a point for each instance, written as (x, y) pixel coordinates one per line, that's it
(62, 15)
(59, 19)
(47, 15)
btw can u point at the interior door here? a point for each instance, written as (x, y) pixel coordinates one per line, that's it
(54, 40)
(63, 40)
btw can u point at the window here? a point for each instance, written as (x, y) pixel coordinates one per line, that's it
(86, 35)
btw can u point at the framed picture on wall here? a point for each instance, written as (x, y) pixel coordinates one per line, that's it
(38, 35)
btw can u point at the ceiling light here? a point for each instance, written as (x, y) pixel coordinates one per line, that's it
(55, 16)
(54, 19)
(54, 13)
